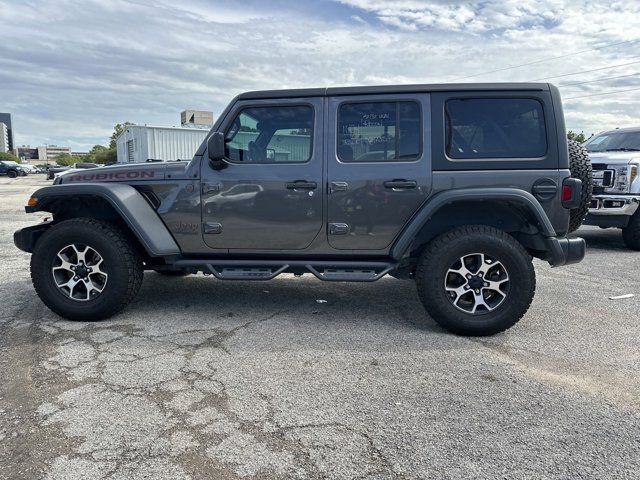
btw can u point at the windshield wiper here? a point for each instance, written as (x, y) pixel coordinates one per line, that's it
(622, 149)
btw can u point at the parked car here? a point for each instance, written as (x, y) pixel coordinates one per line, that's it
(31, 168)
(461, 185)
(54, 171)
(615, 157)
(12, 169)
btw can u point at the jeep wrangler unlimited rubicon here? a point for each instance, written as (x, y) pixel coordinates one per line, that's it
(454, 186)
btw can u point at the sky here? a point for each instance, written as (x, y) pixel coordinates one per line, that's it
(71, 69)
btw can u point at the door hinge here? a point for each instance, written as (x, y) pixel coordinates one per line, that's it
(338, 228)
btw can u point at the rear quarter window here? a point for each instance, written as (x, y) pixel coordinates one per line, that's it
(494, 128)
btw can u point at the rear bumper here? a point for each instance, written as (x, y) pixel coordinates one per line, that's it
(565, 251)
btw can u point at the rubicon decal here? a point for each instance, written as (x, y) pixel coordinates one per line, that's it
(110, 176)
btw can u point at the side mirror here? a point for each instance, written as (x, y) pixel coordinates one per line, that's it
(215, 147)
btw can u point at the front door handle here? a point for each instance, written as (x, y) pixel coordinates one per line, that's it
(400, 184)
(301, 185)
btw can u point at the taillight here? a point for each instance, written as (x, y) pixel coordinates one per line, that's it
(570, 193)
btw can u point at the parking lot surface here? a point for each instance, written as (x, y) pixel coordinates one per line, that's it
(296, 378)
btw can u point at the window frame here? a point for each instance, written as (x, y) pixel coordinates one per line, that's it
(237, 112)
(381, 100)
(495, 159)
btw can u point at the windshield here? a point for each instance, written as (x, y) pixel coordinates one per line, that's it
(614, 142)
(9, 162)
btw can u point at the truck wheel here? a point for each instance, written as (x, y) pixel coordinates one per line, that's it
(475, 280)
(580, 167)
(83, 269)
(631, 233)
(12, 174)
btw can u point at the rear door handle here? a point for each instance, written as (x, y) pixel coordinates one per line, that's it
(400, 184)
(301, 185)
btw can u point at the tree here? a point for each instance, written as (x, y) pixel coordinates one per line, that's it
(9, 157)
(578, 137)
(65, 160)
(117, 130)
(105, 155)
(95, 155)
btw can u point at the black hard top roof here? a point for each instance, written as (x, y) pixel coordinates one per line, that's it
(382, 89)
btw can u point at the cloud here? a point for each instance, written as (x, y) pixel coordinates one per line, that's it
(91, 64)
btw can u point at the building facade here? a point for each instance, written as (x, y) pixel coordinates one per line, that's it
(4, 138)
(49, 153)
(196, 118)
(6, 119)
(139, 143)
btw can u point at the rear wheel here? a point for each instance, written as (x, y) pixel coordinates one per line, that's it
(83, 269)
(580, 167)
(631, 233)
(475, 280)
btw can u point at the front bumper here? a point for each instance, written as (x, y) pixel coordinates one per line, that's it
(25, 238)
(612, 210)
(614, 204)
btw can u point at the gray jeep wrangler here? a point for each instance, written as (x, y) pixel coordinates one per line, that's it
(454, 186)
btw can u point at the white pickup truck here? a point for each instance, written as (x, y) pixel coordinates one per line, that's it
(615, 157)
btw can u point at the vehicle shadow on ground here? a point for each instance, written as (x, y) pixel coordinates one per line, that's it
(388, 301)
(603, 239)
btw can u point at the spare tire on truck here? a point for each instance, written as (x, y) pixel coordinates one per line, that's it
(580, 167)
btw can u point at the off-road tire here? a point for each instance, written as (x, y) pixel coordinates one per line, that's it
(580, 167)
(443, 251)
(122, 263)
(631, 233)
(12, 174)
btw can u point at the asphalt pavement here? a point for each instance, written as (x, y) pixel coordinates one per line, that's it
(296, 378)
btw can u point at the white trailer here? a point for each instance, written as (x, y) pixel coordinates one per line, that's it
(138, 143)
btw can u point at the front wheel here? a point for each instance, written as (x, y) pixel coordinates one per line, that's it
(12, 174)
(83, 269)
(631, 233)
(475, 280)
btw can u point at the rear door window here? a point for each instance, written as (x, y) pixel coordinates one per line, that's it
(486, 128)
(379, 132)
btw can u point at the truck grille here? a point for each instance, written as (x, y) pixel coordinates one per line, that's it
(603, 177)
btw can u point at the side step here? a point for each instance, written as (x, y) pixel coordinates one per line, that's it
(332, 271)
(246, 273)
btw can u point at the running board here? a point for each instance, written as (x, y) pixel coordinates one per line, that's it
(336, 271)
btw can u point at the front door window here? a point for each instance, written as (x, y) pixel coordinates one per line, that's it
(271, 135)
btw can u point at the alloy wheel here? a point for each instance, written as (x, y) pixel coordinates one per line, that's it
(78, 272)
(477, 283)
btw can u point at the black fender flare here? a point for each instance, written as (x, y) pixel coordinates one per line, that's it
(404, 241)
(136, 212)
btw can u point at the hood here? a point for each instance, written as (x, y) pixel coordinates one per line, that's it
(613, 158)
(134, 172)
